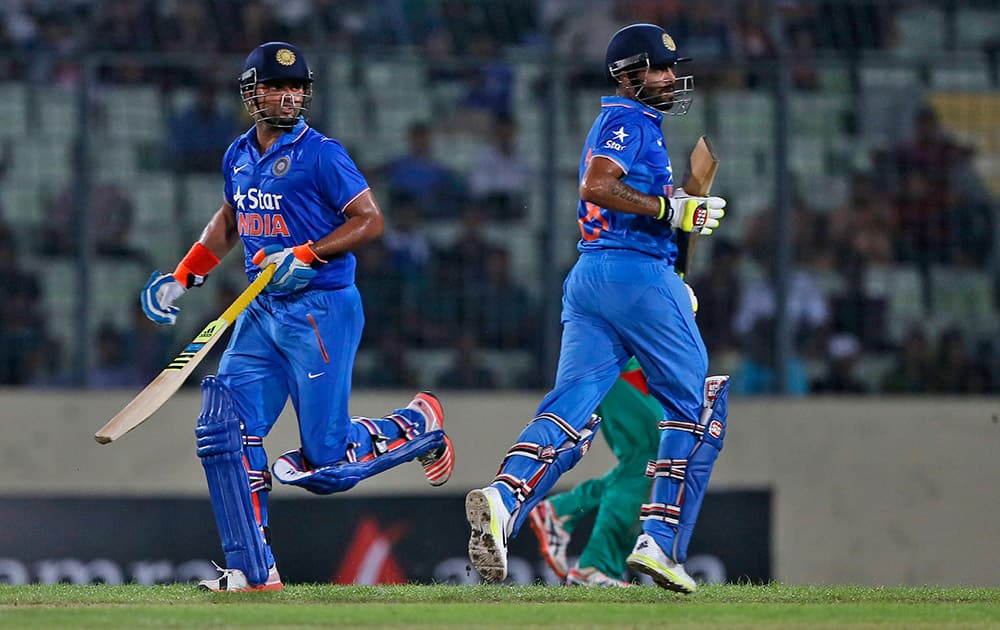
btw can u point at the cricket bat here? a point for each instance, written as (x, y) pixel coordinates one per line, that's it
(173, 376)
(702, 165)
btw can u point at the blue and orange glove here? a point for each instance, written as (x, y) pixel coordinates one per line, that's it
(162, 289)
(295, 267)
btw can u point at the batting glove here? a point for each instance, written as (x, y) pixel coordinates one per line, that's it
(158, 296)
(294, 266)
(700, 215)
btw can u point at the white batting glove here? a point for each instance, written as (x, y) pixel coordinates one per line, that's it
(700, 215)
(295, 266)
(158, 297)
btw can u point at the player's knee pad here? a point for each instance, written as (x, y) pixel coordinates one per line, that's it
(684, 465)
(533, 465)
(293, 468)
(220, 447)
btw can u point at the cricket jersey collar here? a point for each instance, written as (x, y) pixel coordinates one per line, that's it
(621, 101)
(296, 132)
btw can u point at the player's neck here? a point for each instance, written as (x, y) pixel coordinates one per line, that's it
(267, 136)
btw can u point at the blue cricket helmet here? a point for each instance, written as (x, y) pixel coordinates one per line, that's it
(640, 46)
(643, 46)
(274, 61)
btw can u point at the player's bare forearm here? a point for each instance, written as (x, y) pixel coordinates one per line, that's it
(602, 185)
(364, 223)
(220, 234)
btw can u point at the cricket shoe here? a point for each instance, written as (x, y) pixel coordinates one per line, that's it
(553, 540)
(235, 581)
(590, 576)
(439, 463)
(648, 558)
(489, 519)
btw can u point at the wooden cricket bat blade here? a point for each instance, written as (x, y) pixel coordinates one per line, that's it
(165, 385)
(173, 376)
(697, 182)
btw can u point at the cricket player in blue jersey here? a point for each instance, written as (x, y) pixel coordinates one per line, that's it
(622, 299)
(296, 200)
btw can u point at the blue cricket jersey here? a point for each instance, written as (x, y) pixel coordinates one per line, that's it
(629, 134)
(295, 192)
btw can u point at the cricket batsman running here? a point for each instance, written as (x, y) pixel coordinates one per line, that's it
(622, 299)
(297, 201)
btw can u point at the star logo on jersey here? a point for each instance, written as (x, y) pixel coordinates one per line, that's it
(239, 197)
(620, 135)
(659, 142)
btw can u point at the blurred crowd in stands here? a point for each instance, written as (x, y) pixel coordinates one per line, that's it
(441, 287)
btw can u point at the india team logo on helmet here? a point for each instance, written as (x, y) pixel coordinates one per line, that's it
(285, 57)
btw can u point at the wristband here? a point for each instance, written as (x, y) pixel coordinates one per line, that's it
(306, 253)
(663, 208)
(193, 268)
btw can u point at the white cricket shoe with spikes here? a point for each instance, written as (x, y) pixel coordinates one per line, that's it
(489, 519)
(235, 581)
(648, 558)
(593, 577)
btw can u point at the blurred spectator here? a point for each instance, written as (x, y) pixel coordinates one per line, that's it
(113, 368)
(148, 346)
(753, 42)
(257, 24)
(925, 194)
(419, 176)
(718, 288)
(467, 370)
(124, 25)
(575, 26)
(392, 365)
(863, 228)
(198, 136)
(22, 316)
(843, 353)
(409, 250)
(910, 372)
(505, 315)
(857, 313)
(807, 307)
(381, 285)
(499, 178)
(703, 31)
(189, 26)
(755, 373)
(112, 213)
(489, 84)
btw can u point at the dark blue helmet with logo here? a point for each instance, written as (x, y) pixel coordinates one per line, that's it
(640, 47)
(275, 62)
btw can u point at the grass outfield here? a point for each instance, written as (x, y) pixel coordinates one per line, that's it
(734, 607)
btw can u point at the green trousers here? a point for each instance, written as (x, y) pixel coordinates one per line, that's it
(630, 429)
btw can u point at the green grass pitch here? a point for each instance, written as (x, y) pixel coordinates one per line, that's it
(733, 607)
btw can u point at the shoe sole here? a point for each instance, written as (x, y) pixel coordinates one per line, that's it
(249, 589)
(577, 579)
(438, 468)
(664, 577)
(537, 524)
(485, 552)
